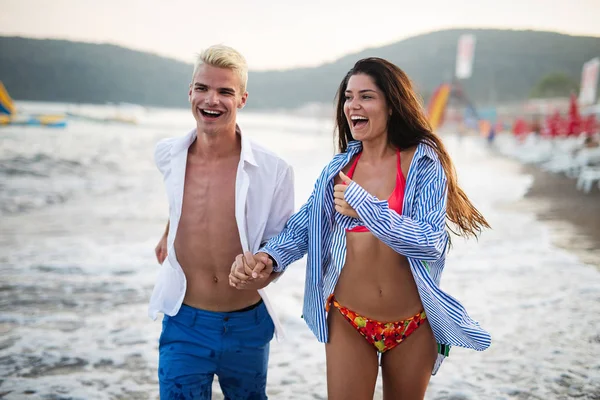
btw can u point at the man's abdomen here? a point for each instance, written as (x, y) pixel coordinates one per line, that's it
(206, 252)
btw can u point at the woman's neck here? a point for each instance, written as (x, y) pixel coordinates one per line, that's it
(377, 149)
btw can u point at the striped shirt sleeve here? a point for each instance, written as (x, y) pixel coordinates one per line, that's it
(291, 244)
(422, 236)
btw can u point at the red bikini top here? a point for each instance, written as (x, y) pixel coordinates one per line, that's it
(396, 198)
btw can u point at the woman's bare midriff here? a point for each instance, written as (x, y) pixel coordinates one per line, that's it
(376, 281)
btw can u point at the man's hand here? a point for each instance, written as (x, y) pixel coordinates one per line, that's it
(251, 272)
(161, 249)
(339, 191)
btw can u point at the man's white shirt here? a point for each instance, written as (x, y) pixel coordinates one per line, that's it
(264, 201)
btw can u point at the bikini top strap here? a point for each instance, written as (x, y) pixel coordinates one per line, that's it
(350, 173)
(400, 174)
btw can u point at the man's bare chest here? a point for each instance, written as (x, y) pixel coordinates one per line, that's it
(208, 192)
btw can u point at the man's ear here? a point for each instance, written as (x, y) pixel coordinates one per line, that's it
(243, 100)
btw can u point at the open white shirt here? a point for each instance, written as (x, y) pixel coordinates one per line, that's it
(264, 200)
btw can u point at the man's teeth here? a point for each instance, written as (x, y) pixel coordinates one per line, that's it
(212, 112)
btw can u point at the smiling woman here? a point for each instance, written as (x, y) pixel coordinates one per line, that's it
(374, 266)
(365, 107)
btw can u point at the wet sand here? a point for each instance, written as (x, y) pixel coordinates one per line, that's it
(574, 216)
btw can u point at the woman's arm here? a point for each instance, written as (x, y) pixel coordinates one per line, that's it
(291, 243)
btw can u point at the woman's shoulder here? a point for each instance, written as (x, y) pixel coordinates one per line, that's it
(427, 163)
(426, 150)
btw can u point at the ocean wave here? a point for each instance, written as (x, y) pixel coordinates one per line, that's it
(39, 180)
(17, 203)
(38, 165)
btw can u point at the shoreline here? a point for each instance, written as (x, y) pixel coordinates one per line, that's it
(572, 215)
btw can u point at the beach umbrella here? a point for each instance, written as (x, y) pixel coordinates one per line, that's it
(573, 117)
(553, 122)
(563, 126)
(520, 127)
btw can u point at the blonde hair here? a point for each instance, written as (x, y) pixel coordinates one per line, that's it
(221, 56)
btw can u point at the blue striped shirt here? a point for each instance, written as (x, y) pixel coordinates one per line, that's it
(419, 234)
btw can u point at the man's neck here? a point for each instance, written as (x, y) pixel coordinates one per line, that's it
(217, 145)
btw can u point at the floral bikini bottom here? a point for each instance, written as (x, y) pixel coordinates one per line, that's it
(383, 335)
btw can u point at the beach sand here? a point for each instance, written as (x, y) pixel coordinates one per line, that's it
(574, 216)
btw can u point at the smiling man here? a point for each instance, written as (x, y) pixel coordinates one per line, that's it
(226, 195)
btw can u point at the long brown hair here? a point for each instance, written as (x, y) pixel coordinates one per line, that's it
(408, 126)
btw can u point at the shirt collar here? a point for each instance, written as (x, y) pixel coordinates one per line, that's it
(354, 145)
(247, 154)
(184, 143)
(423, 150)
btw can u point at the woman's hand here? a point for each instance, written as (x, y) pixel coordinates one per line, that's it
(339, 191)
(251, 271)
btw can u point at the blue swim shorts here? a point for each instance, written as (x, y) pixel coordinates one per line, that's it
(195, 345)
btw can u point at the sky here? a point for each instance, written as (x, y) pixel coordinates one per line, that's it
(280, 34)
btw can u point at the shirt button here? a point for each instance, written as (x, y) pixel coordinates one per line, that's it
(226, 319)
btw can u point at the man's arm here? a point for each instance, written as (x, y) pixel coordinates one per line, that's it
(282, 204)
(255, 271)
(161, 248)
(282, 208)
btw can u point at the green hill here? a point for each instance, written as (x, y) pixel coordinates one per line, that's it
(507, 65)
(59, 70)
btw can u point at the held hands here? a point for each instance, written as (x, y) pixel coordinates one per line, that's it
(339, 191)
(251, 271)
